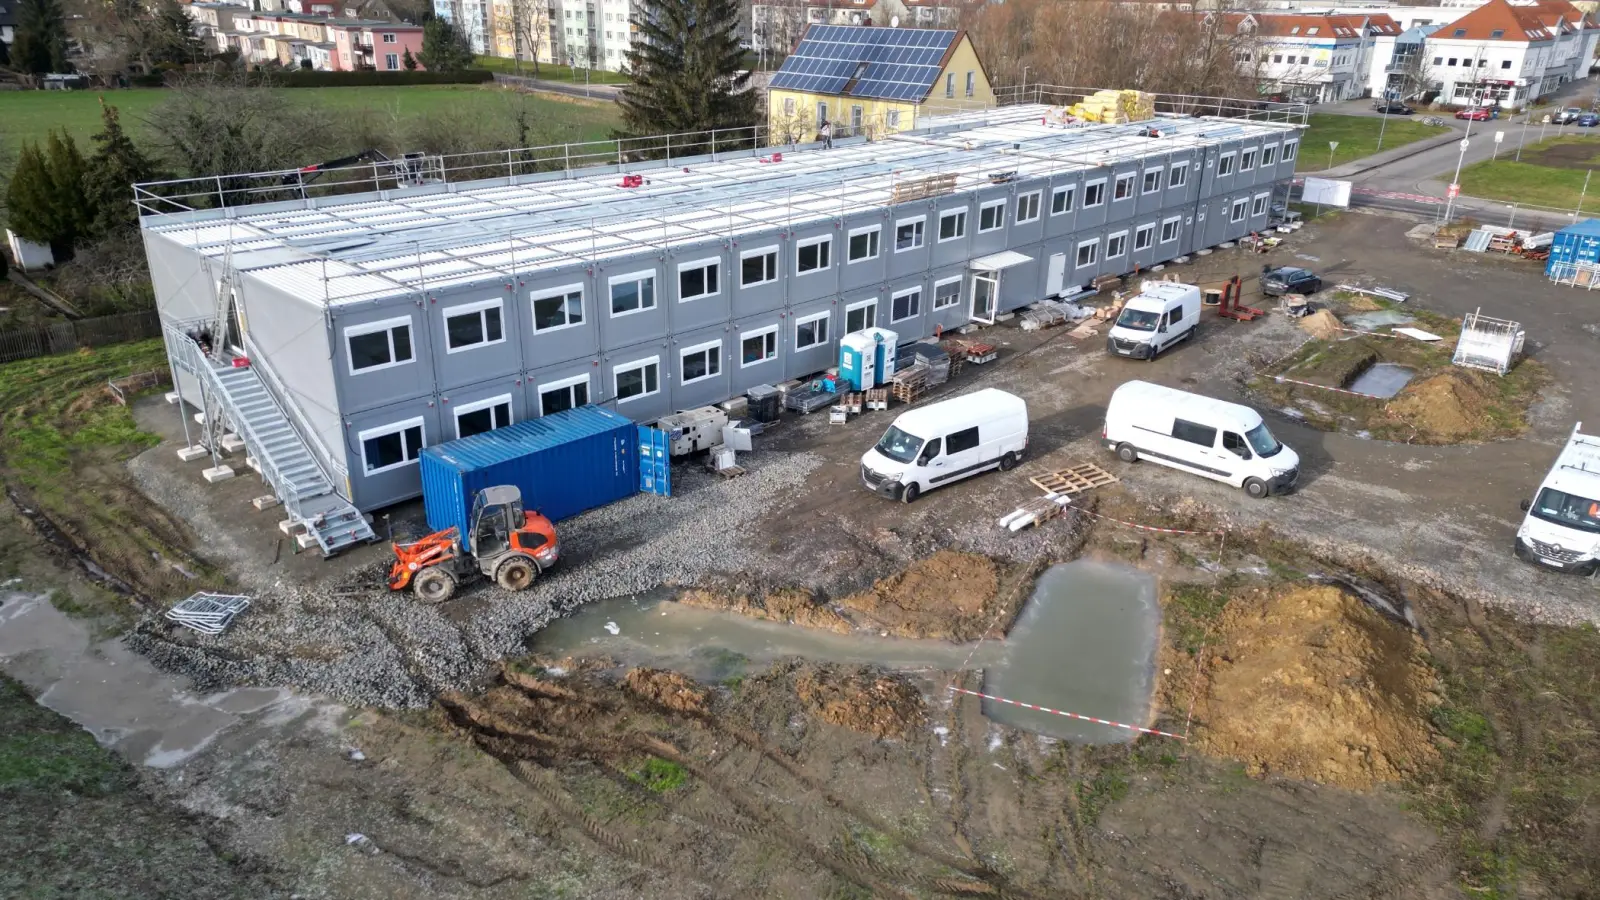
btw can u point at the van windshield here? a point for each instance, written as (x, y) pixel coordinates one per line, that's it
(1138, 320)
(1262, 441)
(1568, 510)
(899, 446)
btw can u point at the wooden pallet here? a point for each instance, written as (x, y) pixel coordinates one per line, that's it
(878, 398)
(732, 471)
(924, 188)
(1073, 480)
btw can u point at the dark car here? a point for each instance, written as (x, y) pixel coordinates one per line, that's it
(1288, 280)
(1588, 120)
(1568, 116)
(1393, 109)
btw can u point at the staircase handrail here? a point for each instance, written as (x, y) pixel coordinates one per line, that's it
(320, 453)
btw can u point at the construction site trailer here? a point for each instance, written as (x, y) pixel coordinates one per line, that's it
(566, 463)
(1575, 254)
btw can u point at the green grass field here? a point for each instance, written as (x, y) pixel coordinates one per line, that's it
(1357, 137)
(30, 115)
(1551, 173)
(548, 71)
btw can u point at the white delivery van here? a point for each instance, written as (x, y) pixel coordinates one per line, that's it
(947, 441)
(1203, 435)
(1562, 528)
(1162, 314)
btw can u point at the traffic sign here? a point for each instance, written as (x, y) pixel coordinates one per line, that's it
(1453, 191)
(1465, 144)
(1499, 136)
(1333, 145)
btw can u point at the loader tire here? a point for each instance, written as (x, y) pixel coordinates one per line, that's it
(516, 573)
(434, 585)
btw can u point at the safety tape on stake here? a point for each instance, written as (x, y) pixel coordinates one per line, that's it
(1280, 379)
(1070, 715)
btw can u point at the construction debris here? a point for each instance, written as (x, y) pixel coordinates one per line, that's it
(1035, 512)
(208, 613)
(1047, 313)
(1488, 344)
(1381, 293)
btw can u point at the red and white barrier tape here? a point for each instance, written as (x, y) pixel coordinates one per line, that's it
(1280, 379)
(1070, 715)
(1368, 333)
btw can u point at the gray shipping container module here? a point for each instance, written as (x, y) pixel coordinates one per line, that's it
(565, 463)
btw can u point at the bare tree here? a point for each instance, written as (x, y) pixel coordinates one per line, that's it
(790, 123)
(528, 24)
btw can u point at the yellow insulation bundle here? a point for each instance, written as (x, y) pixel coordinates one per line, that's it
(1116, 107)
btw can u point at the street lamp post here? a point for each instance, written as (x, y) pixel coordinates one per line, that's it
(1385, 123)
(1526, 115)
(1455, 183)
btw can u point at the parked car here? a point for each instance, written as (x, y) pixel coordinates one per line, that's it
(1193, 433)
(1568, 116)
(1288, 280)
(1478, 113)
(1588, 120)
(1393, 109)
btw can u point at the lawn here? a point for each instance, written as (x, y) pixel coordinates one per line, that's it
(1552, 173)
(30, 115)
(548, 71)
(1357, 137)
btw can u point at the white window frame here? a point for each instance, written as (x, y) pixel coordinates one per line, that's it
(387, 325)
(477, 405)
(1225, 161)
(1269, 155)
(1247, 159)
(1128, 178)
(1291, 150)
(954, 301)
(1258, 204)
(985, 207)
(1175, 221)
(701, 348)
(1147, 232)
(392, 428)
(640, 276)
(770, 330)
(1098, 182)
(905, 293)
(772, 250)
(1178, 175)
(1158, 173)
(1238, 210)
(1071, 191)
(1119, 240)
(1033, 198)
(812, 242)
(561, 292)
(959, 212)
(1094, 254)
(876, 245)
(921, 222)
(807, 320)
(708, 262)
(862, 304)
(564, 383)
(632, 365)
(464, 309)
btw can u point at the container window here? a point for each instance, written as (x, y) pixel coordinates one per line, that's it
(860, 316)
(699, 279)
(1258, 206)
(965, 439)
(992, 216)
(758, 346)
(638, 379)
(561, 308)
(1094, 193)
(1178, 175)
(1269, 154)
(700, 362)
(632, 293)
(1116, 245)
(1202, 435)
(379, 345)
(811, 331)
(1144, 237)
(1124, 187)
(758, 267)
(484, 415)
(391, 446)
(1225, 165)
(864, 243)
(1291, 149)
(908, 234)
(952, 224)
(905, 305)
(812, 254)
(947, 293)
(1169, 229)
(1240, 208)
(559, 396)
(1088, 253)
(473, 325)
(1028, 207)
(1061, 199)
(1152, 180)
(1247, 160)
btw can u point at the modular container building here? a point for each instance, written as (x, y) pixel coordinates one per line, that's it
(385, 322)
(565, 464)
(1575, 249)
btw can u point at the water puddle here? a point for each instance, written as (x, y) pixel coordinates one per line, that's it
(1085, 643)
(1382, 380)
(1378, 318)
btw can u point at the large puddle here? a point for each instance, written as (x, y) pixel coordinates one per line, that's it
(1378, 318)
(1085, 643)
(1382, 380)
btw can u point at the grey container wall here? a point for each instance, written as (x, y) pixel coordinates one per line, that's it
(479, 307)
(287, 336)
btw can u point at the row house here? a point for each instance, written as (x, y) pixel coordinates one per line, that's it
(361, 44)
(1318, 58)
(295, 40)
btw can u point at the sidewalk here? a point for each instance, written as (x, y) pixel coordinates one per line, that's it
(571, 89)
(1368, 163)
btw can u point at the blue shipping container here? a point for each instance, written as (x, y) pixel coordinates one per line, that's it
(564, 463)
(1573, 246)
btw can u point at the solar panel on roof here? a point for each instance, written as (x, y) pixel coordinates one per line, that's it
(902, 63)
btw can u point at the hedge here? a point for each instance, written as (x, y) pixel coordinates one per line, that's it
(313, 78)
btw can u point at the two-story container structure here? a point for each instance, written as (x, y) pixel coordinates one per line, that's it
(381, 323)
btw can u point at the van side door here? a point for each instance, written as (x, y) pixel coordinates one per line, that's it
(962, 455)
(931, 462)
(1198, 445)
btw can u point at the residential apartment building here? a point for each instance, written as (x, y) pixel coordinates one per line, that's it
(1509, 53)
(295, 39)
(1319, 58)
(474, 18)
(537, 293)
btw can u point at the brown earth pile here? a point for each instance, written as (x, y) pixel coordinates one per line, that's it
(945, 596)
(1448, 406)
(669, 689)
(861, 699)
(1313, 684)
(1359, 303)
(1322, 325)
(794, 605)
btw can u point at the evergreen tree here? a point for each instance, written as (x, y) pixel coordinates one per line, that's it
(444, 49)
(409, 61)
(29, 209)
(40, 38)
(117, 164)
(5, 54)
(66, 168)
(686, 67)
(173, 33)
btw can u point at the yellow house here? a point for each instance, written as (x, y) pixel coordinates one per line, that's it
(871, 80)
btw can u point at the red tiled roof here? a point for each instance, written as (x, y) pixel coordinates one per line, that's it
(1498, 20)
(1341, 25)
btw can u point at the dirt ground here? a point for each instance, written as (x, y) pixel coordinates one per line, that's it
(1580, 152)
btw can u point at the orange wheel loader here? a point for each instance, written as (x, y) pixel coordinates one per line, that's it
(507, 544)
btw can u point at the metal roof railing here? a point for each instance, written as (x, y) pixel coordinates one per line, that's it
(1255, 110)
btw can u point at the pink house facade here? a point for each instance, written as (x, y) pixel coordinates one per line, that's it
(366, 44)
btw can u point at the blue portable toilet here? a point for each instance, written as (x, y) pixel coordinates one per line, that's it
(884, 350)
(858, 361)
(1574, 247)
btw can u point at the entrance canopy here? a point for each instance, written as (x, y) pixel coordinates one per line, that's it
(997, 261)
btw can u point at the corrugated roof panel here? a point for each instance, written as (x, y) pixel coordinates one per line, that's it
(1589, 227)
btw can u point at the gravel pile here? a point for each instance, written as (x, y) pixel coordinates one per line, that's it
(362, 645)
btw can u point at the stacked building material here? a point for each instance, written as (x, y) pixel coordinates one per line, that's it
(1115, 107)
(208, 613)
(935, 358)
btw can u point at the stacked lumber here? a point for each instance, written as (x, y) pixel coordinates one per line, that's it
(924, 188)
(1115, 107)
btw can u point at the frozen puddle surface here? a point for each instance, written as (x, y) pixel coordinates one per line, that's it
(1085, 643)
(1382, 380)
(1378, 318)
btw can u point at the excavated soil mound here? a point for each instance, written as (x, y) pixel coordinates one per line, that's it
(795, 605)
(1313, 684)
(1449, 406)
(944, 596)
(1322, 325)
(669, 689)
(862, 699)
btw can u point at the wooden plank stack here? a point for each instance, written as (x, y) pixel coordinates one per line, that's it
(924, 188)
(910, 382)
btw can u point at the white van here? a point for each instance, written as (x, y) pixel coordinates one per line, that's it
(947, 441)
(1562, 528)
(1203, 435)
(1163, 313)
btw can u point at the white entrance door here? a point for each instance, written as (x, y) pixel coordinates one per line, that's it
(985, 296)
(1058, 274)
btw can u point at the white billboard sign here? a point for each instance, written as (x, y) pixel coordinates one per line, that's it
(1326, 191)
